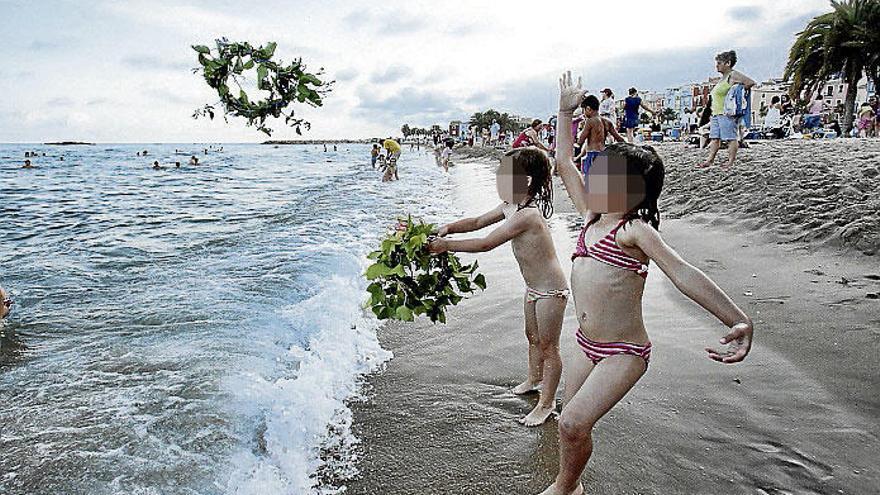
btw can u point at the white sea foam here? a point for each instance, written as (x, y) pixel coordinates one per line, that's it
(299, 411)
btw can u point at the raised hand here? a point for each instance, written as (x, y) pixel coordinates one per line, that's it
(739, 342)
(570, 96)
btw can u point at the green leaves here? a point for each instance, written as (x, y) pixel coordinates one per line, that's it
(286, 84)
(407, 281)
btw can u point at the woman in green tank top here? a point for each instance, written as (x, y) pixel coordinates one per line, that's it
(723, 127)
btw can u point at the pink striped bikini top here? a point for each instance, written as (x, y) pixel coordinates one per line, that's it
(608, 251)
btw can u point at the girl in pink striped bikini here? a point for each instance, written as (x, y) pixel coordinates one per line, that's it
(619, 238)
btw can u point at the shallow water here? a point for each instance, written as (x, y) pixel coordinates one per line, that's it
(189, 330)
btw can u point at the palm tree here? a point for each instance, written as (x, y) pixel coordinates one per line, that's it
(844, 41)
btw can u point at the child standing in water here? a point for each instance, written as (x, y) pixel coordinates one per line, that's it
(609, 267)
(526, 191)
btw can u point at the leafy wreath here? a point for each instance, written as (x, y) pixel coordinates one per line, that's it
(408, 281)
(286, 84)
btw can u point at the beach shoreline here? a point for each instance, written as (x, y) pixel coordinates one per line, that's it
(798, 416)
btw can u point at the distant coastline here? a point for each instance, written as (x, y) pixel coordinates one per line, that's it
(319, 141)
(69, 143)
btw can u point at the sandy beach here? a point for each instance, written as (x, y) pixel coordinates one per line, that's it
(798, 416)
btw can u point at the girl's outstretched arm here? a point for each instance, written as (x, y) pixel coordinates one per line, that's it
(517, 224)
(570, 96)
(696, 285)
(471, 224)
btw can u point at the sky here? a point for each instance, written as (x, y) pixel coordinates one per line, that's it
(108, 71)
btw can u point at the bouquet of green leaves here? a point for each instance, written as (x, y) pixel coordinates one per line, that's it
(408, 281)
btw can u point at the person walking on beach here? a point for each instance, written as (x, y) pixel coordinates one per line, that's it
(529, 137)
(446, 154)
(374, 155)
(631, 106)
(526, 190)
(866, 120)
(494, 130)
(607, 108)
(609, 268)
(773, 119)
(724, 127)
(591, 140)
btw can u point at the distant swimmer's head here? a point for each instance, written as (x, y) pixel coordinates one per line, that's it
(590, 105)
(626, 178)
(536, 124)
(524, 177)
(27, 164)
(5, 303)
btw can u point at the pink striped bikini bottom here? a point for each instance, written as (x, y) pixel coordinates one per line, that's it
(597, 351)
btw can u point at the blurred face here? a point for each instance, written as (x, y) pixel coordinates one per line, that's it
(610, 189)
(512, 181)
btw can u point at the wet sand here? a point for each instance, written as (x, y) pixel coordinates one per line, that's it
(798, 416)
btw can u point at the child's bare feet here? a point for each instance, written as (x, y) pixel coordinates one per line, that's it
(526, 387)
(538, 415)
(552, 490)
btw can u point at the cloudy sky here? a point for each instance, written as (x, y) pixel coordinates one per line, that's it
(120, 71)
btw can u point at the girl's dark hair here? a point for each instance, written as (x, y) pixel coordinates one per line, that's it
(535, 122)
(773, 100)
(608, 92)
(534, 163)
(645, 162)
(632, 91)
(728, 56)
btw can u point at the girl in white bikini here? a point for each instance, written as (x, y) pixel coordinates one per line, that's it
(526, 189)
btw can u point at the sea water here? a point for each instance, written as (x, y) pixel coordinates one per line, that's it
(195, 329)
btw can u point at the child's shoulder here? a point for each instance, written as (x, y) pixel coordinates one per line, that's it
(634, 230)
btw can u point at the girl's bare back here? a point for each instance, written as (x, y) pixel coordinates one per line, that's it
(532, 250)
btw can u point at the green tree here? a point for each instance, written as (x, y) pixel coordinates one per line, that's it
(484, 119)
(842, 42)
(668, 115)
(406, 131)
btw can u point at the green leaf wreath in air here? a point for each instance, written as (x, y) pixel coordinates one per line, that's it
(285, 84)
(408, 281)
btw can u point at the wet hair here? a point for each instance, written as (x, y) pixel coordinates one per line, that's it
(773, 100)
(632, 91)
(537, 166)
(646, 163)
(590, 101)
(727, 57)
(535, 122)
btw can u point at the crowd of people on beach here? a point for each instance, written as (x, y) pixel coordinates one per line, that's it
(615, 188)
